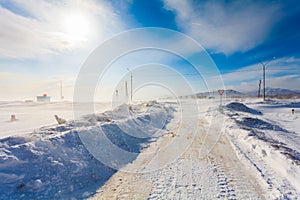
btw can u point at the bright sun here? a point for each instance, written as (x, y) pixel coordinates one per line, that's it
(76, 28)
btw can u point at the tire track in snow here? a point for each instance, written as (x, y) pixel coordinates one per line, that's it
(225, 190)
(234, 181)
(183, 180)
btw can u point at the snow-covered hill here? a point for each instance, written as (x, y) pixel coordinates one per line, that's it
(280, 91)
(230, 93)
(277, 92)
(227, 93)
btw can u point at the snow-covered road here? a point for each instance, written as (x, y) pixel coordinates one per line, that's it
(226, 159)
(196, 174)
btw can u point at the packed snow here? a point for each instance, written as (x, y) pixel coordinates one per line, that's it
(246, 149)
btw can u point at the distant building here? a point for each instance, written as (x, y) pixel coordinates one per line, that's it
(43, 98)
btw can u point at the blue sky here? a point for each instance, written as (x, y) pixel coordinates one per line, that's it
(43, 42)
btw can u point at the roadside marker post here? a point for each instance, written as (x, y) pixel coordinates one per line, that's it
(221, 92)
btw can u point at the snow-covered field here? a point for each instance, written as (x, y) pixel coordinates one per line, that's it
(248, 149)
(33, 115)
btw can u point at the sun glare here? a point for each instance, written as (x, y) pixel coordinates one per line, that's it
(76, 28)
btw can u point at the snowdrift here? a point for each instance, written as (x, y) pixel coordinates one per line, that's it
(250, 122)
(267, 145)
(53, 162)
(242, 108)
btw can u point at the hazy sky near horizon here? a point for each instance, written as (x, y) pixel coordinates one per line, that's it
(43, 42)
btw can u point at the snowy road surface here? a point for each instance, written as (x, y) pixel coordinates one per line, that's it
(239, 166)
(193, 175)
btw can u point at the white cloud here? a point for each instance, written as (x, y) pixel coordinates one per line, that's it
(18, 86)
(42, 30)
(280, 73)
(290, 82)
(229, 27)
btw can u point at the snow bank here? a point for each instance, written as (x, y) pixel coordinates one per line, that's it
(47, 164)
(268, 146)
(250, 122)
(242, 108)
(53, 162)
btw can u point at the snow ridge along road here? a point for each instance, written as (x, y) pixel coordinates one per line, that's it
(53, 162)
(268, 146)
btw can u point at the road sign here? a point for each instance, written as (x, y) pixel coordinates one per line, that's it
(221, 92)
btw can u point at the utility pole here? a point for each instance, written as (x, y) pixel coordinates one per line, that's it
(61, 91)
(259, 87)
(264, 64)
(264, 76)
(126, 90)
(221, 92)
(130, 85)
